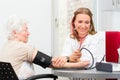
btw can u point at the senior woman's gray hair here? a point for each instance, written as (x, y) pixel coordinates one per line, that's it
(14, 23)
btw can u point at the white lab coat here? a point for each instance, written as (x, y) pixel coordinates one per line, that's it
(94, 43)
(91, 42)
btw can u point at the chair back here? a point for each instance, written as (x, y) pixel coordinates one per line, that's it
(7, 72)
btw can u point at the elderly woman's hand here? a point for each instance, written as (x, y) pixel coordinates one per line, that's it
(58, 62)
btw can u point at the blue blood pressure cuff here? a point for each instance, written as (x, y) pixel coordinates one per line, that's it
(42, 59)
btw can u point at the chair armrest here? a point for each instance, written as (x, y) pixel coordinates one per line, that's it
(39, 76)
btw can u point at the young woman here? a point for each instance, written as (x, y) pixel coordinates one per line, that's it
(81, 44)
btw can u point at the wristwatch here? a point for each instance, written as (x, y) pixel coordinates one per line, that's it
(68, 59)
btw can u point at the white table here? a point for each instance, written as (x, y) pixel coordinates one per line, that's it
(93, 73)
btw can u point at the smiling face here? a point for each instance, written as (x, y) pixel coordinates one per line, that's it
(82, 24)
(22, 35)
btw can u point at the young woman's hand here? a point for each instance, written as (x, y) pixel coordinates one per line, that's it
(82, 64)
(75, 56)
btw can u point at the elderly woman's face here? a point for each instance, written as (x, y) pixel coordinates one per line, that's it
(82, 24)
(23, 34)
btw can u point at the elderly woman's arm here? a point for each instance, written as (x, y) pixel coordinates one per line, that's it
(58, 63)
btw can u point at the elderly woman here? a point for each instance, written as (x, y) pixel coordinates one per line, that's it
(22, 55)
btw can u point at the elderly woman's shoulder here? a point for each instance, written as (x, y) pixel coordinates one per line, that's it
(23, 45)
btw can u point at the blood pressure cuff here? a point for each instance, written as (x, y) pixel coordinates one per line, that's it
(42, 59)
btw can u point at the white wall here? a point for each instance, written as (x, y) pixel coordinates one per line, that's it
(38, 13)
(107, 15)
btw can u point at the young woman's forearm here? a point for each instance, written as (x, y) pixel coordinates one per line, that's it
(76, 65)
